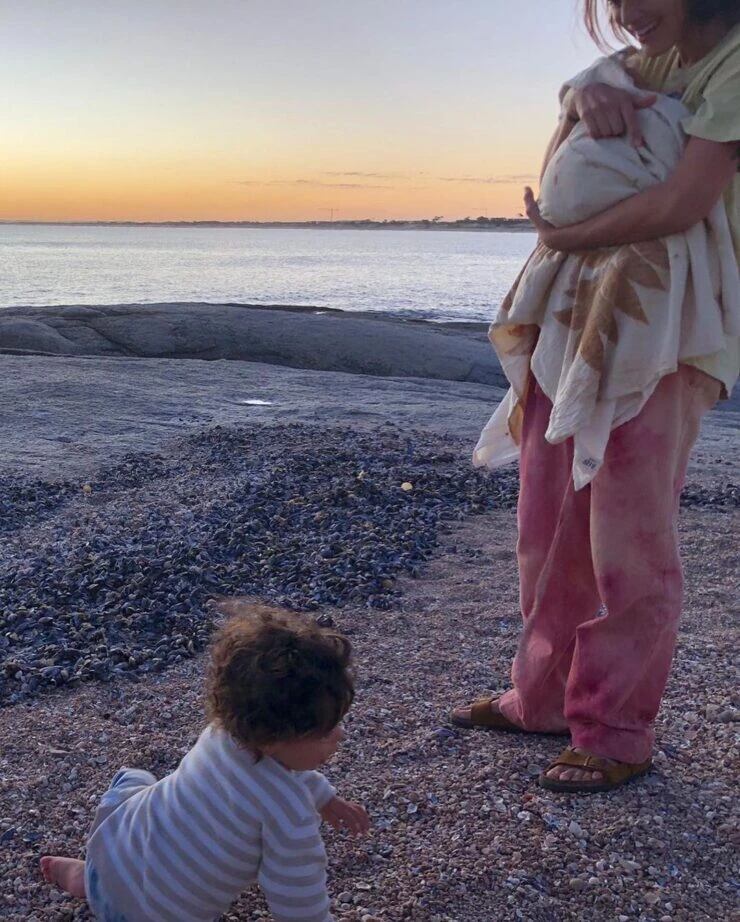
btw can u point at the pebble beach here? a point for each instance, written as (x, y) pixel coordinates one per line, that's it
(115, 547)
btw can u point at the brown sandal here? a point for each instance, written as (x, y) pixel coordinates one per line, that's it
(483, 718)
(614, 774)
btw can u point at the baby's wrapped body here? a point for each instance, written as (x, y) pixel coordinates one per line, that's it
(587, 176)
(600, 328)
(181, 849)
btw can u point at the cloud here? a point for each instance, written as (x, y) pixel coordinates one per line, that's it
(364, 175)
(511, 179)
(314, 183)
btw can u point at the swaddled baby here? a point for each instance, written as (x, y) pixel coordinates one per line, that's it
(586, 175)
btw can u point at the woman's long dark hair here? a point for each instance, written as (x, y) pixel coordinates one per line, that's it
(699, 11)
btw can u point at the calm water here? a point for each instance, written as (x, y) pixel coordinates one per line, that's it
(439, 275)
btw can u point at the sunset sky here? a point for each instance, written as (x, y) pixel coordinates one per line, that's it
(278, 109)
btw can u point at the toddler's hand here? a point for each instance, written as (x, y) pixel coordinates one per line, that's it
(341, 814)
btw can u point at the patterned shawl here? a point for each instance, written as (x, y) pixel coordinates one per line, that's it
(598, 329)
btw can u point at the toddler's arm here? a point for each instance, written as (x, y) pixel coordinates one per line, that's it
(338, 813)
(292, 873)
(319, 787)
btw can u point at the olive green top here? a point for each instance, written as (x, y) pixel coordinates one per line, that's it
(710, 89)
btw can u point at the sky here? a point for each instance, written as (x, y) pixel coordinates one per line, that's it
(286, 110)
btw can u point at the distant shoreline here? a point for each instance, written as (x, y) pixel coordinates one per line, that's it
(466, 224)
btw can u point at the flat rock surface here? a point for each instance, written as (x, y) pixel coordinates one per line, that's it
(66, 415)
(69, 414)
(372, 344)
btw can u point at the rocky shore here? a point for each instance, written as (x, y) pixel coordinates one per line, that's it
(115, 577)
(133, 491)
(460, 831)
(298, 337)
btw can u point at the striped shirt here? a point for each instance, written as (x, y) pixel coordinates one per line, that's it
(183, 848)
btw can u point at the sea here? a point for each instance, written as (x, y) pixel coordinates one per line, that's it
(442, 275)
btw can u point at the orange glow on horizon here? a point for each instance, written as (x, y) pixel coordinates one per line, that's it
(115, 192)
(156, 111)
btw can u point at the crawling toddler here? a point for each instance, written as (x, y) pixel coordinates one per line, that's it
(244, 804)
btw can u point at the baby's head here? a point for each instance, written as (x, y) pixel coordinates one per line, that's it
(280, 684)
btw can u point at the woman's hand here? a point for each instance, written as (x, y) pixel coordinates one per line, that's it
(554, 238)
(608, 112)
(343, 815)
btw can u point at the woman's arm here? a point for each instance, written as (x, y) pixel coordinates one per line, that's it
(566, 124)
(673, 206)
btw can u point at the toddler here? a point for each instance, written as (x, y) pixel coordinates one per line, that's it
(244, 804)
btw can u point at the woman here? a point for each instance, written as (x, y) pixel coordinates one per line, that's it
(612, 544)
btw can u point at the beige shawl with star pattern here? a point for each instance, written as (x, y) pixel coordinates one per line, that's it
(599, 329)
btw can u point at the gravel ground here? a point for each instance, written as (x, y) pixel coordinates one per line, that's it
(115, 576)
(460, 830)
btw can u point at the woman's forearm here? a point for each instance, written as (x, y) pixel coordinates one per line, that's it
(646, 216)
(670, 207)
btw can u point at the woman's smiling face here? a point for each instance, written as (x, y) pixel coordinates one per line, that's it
(656, 24)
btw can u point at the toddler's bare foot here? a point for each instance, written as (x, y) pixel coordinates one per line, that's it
(67, 873)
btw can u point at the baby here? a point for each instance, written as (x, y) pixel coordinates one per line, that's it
(586, 176)
(243, 805)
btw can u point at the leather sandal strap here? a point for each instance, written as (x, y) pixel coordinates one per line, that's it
(614, 773)
(571, 759)
(481, 713)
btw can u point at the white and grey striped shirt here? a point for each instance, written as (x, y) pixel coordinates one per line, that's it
(182, 849)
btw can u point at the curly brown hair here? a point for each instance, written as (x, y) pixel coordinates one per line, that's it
(698, 11)
(275, 676)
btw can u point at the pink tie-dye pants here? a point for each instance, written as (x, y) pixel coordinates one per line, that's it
(600, 574)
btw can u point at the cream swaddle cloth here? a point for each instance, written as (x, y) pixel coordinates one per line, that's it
(598, 329)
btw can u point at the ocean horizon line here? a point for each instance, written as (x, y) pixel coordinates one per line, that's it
(478, 224)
